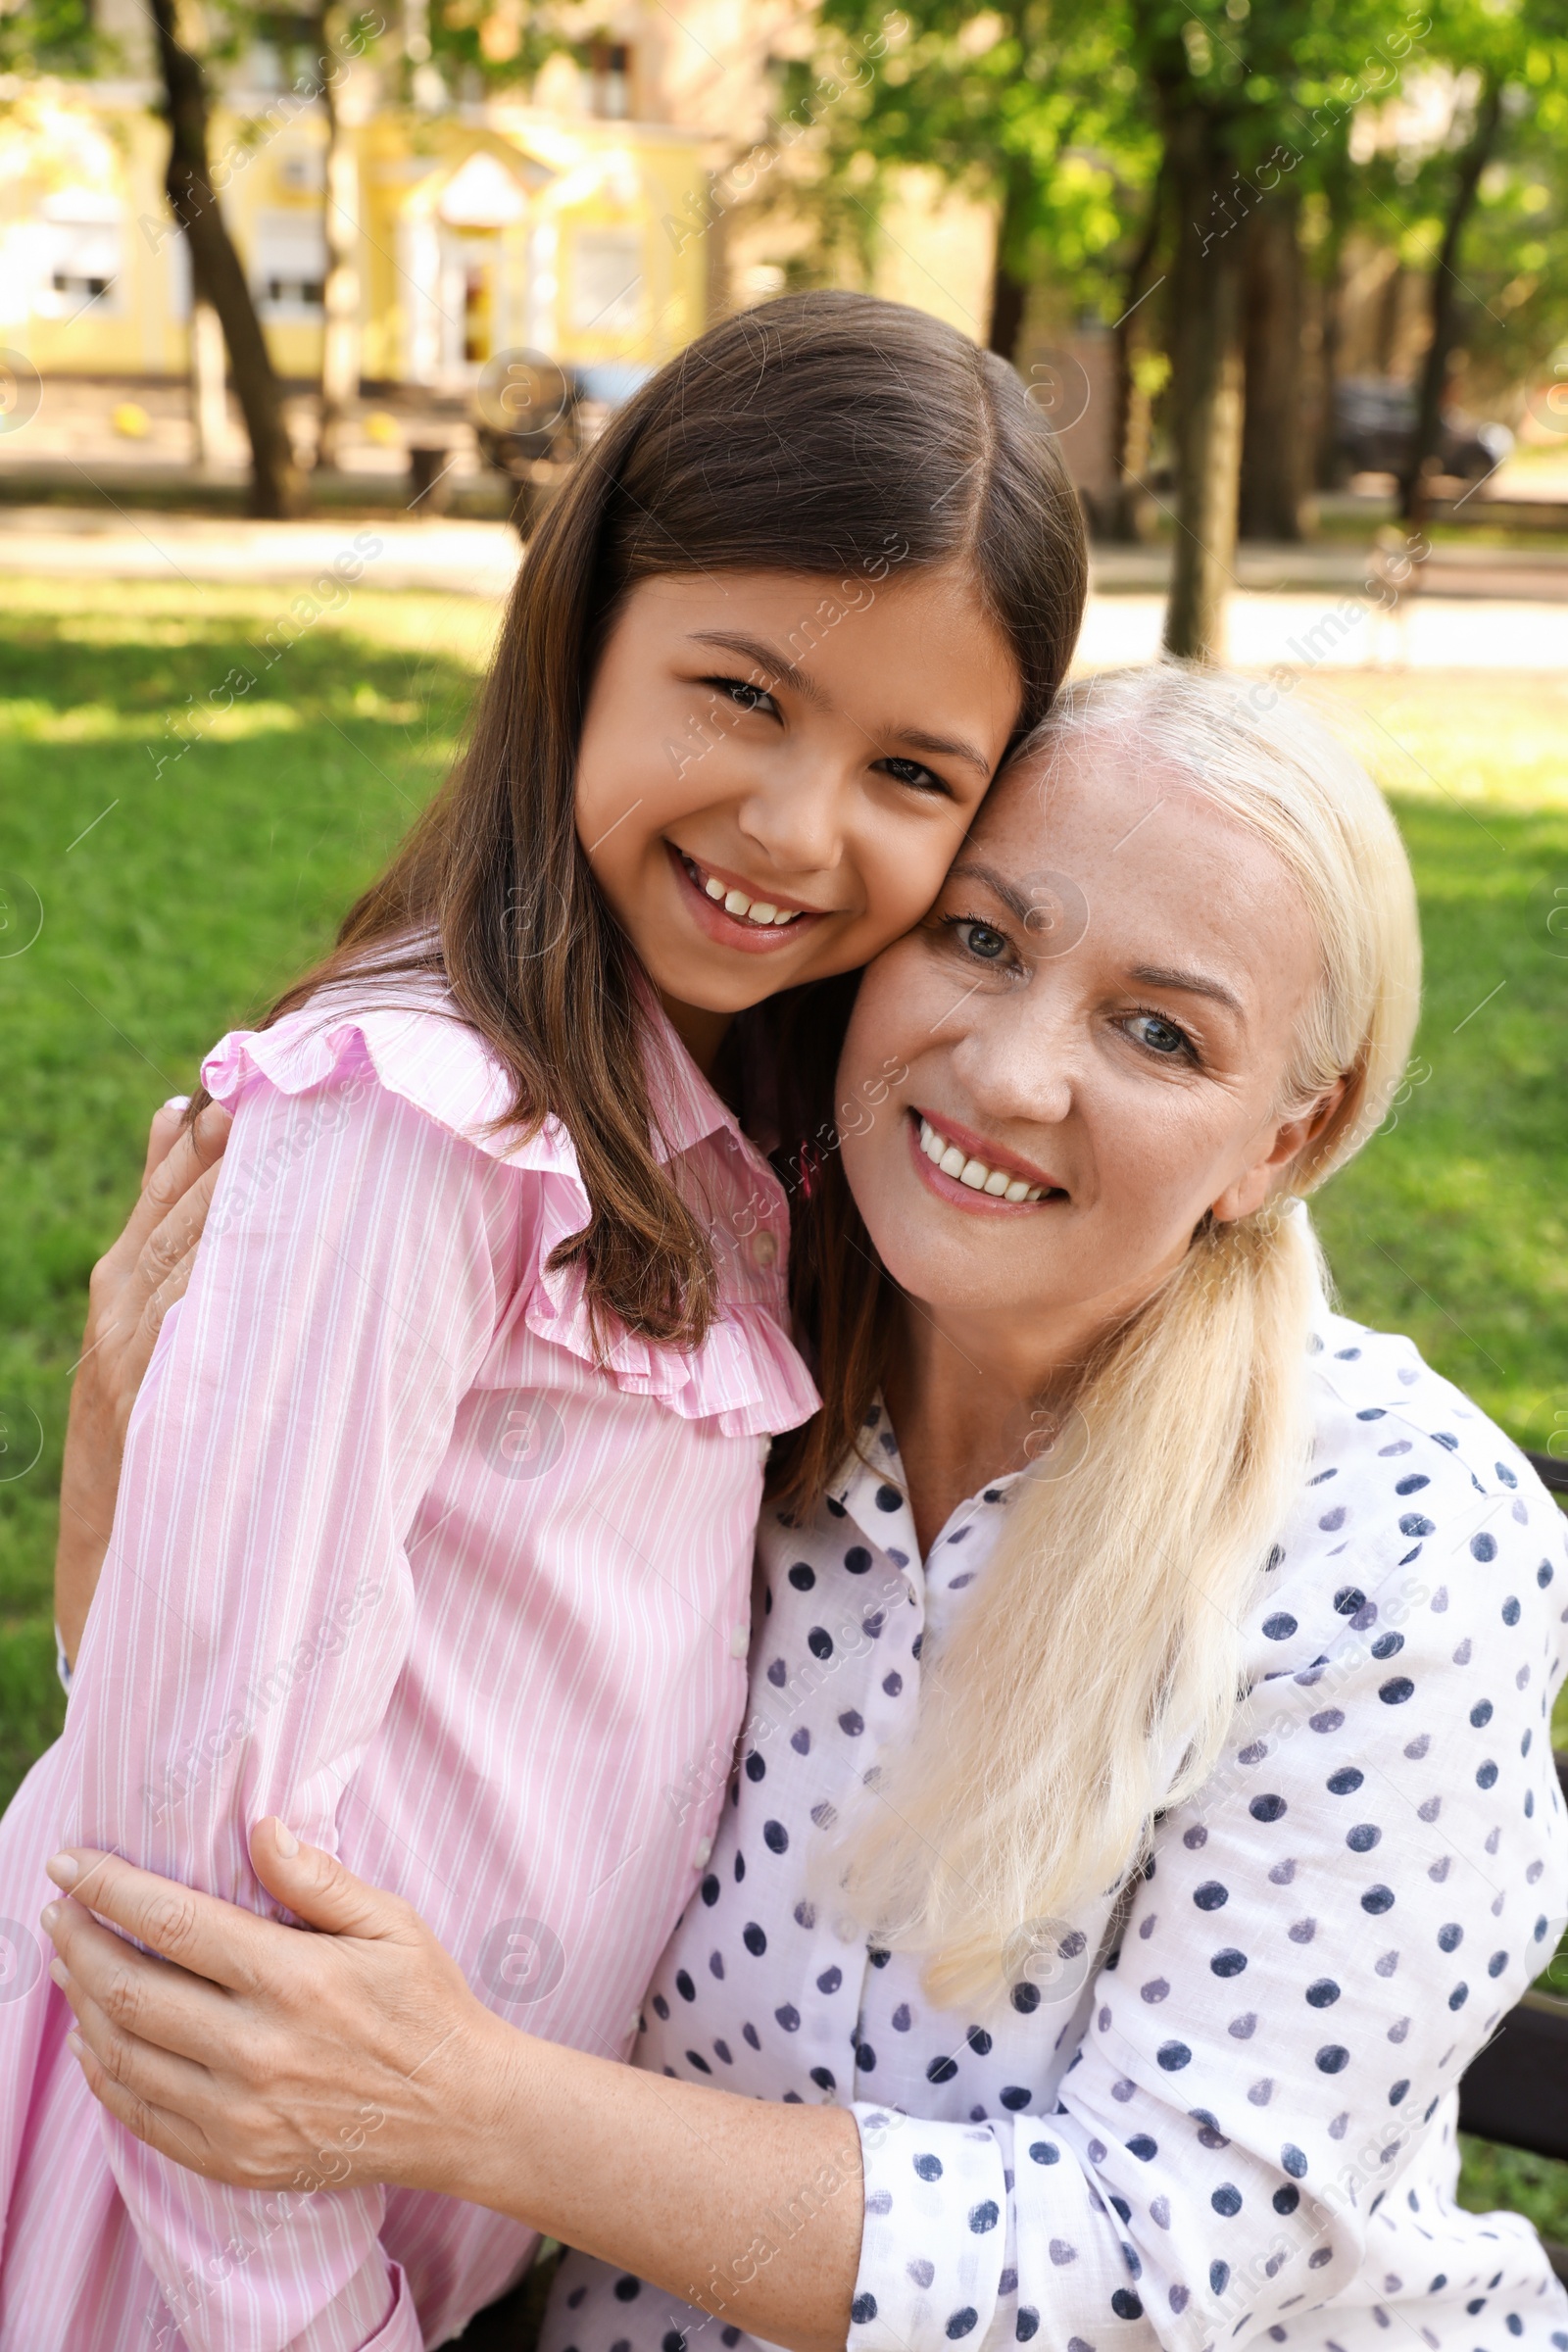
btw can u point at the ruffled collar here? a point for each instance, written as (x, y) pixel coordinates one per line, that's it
(746, 1374)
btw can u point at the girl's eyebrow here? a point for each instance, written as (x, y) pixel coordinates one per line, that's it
(773, 665)
(785, 673)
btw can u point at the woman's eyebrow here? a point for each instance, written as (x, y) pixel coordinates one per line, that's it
(1017, 903)
(1148, 975)
(1190, 983)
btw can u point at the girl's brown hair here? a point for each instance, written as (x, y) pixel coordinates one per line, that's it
(814, 435)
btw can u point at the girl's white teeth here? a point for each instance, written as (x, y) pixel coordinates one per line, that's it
(755, 910)
(973, 1172)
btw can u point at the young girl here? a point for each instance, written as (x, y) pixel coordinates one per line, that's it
(438, 1504)
(1158, 1665)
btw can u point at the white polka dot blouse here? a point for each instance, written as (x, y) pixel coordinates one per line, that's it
(1221, 2110)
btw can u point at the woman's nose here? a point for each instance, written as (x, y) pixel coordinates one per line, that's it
(1018, 1059)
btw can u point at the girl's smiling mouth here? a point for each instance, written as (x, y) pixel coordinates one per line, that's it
(726, 908)
(971, 1172)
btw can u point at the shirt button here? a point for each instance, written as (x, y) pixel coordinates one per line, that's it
(740, 1641)
(703, 1855)
(765, 1249)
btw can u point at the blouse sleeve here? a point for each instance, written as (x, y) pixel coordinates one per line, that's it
(256, 1604)
(1323, 1938)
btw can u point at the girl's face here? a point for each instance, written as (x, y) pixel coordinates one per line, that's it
(1096, 1019)
(775, 770)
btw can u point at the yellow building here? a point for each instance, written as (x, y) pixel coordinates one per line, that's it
(477, 228)
(600, 223)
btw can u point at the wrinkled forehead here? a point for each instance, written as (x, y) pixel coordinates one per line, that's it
(1098, 827)
(1086, 779)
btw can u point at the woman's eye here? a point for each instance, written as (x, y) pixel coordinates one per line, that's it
(982, 940)
(1158, 1035)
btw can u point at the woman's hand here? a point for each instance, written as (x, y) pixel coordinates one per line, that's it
(259, 2056)
(132, 1288)
(272, 2058)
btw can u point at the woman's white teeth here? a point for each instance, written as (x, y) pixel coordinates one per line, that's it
(973, 1172)
(755, 910)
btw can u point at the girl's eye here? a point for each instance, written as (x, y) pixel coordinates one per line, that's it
(910, 771)
(982, 940)
(744, 694)
(1159, 1034)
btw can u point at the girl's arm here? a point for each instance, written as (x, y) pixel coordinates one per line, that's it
(134, 1284)
(257, 1600)
(272, 2058)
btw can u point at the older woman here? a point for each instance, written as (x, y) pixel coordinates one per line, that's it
(1147, 1806)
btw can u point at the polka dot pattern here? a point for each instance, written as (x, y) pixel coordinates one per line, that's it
(1224, 2110)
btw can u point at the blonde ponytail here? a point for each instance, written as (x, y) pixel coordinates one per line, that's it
(1094, 1676)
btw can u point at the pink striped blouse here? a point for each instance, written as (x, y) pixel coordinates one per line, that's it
(396, 1559)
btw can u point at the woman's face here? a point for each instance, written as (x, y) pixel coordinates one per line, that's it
(776, 771)
(1097, 1014)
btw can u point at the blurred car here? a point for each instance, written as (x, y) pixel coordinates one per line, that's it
(535, 416)
(1374, 424)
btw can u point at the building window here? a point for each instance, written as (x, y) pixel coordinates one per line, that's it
(78, 248)
(606, 283)
(288, 265)
(609, 78)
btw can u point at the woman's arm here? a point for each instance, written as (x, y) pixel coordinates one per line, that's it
(133, 1285)
(271, 2059)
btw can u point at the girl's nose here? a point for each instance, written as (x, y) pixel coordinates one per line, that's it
(796, 818)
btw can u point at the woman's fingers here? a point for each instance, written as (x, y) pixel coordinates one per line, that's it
(199, 1932)
(320, 1889)
(177, 1153)
(154, 2078)
(161, 1274)
(164, 1132)
(171, 2134)
(172, 2007)
(187, 1156)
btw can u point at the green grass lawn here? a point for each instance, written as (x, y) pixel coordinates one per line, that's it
(176, 898)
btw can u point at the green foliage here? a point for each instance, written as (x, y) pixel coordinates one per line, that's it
(53, 36)
(1036, 107)
(1491, 2177)
(198, 893)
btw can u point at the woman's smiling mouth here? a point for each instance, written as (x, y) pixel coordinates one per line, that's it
(731, 914)
(965, 1168)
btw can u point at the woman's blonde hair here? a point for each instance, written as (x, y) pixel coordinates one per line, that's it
(1101, 1649)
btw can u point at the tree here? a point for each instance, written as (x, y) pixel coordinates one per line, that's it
(217, 274)
(1030, 106)
(1115, 136)
(1511, 78)
(1273, 451)
(1256, 105)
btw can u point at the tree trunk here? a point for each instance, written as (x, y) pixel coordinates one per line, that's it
(1444, 303)
(1331, 337)
(1272, 441)
(216, 275)
(340, 293)
(1130, 427)
(209, 391)
(1009, 295)
(1206, 387)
